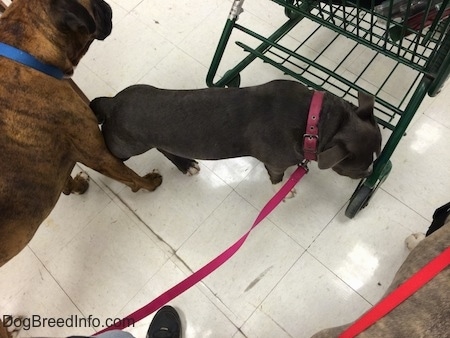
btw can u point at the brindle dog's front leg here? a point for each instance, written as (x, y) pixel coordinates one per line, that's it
(3, 332)
(11, 332)
(112, 167)
(93, 153)
(104, 162)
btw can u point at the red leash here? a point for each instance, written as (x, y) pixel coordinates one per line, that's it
(396, 297)
(197, 276)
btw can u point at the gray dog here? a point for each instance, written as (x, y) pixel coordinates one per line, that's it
(267, 122)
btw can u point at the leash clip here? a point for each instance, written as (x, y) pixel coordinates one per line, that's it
(304, 164)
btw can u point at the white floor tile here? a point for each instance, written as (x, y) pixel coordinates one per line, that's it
(199, 317)
(309, 298)
(127, 5)
(17, 274)
(175, 19)
(131, 51)
(419, 177)
(29, 291)
(189, 74)
(260, 325)
(245, 280)
(434, 110)
(201, 43)
(174, 217)
(364, 252)
(91, 84)
(320, 195)
(268, 11)
(111, 245)
(71, 215)
(232, 171)
(120, 9)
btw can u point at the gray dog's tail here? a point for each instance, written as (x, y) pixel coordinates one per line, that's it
(100, 108)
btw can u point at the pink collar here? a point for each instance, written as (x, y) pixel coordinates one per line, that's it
(311, 136)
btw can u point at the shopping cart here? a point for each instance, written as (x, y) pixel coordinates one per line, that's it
(411, 38)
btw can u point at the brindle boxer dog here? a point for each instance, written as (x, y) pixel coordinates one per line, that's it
(45, 127)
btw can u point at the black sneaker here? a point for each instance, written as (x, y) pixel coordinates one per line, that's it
(165, 324)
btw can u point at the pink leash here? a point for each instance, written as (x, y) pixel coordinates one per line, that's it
(207, 269)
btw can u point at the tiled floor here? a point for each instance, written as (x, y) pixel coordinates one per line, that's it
(306, 267)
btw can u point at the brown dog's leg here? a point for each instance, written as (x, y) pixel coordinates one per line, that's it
(77, 185)
(120, 172)
(112, 167)
(93, 153)
(4, 332)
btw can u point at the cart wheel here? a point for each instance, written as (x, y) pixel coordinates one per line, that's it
(235, 81)
(359, 200)
(289, 13)
(364, 193)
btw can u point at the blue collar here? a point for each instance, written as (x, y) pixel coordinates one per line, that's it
(29, 60)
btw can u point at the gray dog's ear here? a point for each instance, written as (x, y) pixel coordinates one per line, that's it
(332, 156)
(366, 104)
(72, 17)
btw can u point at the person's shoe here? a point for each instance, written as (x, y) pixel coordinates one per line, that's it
(165, 324)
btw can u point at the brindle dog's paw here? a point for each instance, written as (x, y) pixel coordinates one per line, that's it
(155, 178)
(414, 239)
(81, 183)
(13, 326)
(77, 185)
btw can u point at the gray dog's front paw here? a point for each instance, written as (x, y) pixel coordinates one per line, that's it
(194, 169)
(291, 194)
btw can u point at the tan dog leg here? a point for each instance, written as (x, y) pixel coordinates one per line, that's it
(3, 332)
(93, 153)
(10, 332)
(112, 167)
(122, 173)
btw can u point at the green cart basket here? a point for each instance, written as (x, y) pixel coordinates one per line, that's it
(410, 37)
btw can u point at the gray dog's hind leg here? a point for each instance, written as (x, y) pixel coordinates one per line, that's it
(185, 165)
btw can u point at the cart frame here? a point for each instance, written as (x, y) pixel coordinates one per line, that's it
(423, 49)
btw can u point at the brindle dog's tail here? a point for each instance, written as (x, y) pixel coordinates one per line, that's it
(101, 109)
